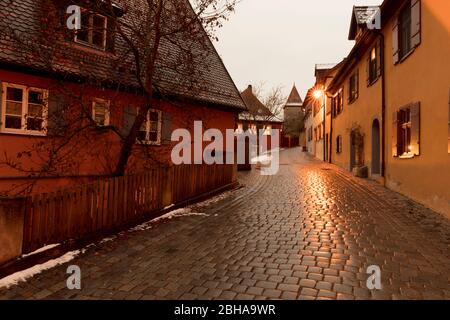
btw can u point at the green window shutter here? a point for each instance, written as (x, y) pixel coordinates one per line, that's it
(57, 124)
(415, 23)
(395, 44)
(166, 131)
(380, 56)
(368, 69)
(129, 117)
(395, 134)
(415, 128)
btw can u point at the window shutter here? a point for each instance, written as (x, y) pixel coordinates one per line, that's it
(415, 23)
(57, 124)
(395, 44)
(357, 83)
(415, 128)
(379, 58)
(368, 70)
(129, 117)
(166, 131)
(395, 134)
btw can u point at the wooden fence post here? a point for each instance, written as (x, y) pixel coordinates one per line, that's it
(12, 222)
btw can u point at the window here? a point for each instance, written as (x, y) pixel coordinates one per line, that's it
(150, 132)
(93, 29)
(353, 87)
(337, 103)
(101, 112)
(406, 132)
(405, 31)
(374, 62)
(24, 109)
(339, 144)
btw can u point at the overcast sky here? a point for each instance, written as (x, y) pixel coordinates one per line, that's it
(280, 41)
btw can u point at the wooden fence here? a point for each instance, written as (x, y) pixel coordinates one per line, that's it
(106, 205)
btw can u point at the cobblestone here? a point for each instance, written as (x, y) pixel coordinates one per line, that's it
(309, 232)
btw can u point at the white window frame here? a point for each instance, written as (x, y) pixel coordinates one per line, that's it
(90, 31)
(148, 126)
(25, 94)
(107, 111)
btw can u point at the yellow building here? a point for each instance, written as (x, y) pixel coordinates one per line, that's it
(390, 105)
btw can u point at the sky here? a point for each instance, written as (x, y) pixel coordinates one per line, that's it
(278, 42)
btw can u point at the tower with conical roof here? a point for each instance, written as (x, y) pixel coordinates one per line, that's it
(293, 117)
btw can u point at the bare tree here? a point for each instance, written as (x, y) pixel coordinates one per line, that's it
(162, 50)
(273, 99)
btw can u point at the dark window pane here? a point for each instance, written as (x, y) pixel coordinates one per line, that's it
(13, 122)
(83, 34)
(142, 136)
(34, 124)
(154, 116)
(14, 108)
(35, 97)
(153, 137)
(98, 35)
(14, 94)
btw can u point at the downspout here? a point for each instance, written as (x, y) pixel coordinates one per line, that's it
(324, 125)
(331, 136)
(383, 108)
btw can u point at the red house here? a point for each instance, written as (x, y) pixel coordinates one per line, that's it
(69, 99)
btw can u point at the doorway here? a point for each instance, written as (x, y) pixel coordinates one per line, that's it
(376, 147)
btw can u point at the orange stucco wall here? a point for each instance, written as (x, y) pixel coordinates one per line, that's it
(424, 76)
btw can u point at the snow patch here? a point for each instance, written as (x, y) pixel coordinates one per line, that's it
(23, 275)
(184, 212)
(41, 250)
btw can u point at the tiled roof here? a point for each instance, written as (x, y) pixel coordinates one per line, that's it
(294, 99)
(27, 20)
(254, 106)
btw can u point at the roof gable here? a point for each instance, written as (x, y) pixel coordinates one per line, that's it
(294, 99)
(362, 16)
(254, 105)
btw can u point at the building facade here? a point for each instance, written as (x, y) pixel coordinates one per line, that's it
(390, 105)
(67, 106)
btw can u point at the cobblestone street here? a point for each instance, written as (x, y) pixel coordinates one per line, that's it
(309, 232)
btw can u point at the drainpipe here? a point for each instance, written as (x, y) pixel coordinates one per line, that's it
(331, 137)
(324, 126)
(383, 107)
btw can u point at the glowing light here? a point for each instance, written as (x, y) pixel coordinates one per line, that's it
(318, 94)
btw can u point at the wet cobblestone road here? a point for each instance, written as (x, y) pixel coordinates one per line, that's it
(310, 232)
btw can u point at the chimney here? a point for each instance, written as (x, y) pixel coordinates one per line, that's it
(250, 88)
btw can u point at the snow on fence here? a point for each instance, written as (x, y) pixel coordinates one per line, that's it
(105, 205)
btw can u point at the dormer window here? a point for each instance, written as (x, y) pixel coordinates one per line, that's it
(93, 30)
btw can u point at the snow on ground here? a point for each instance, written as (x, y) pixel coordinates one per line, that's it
(40, 250)
(184, 212)
(23, 275)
